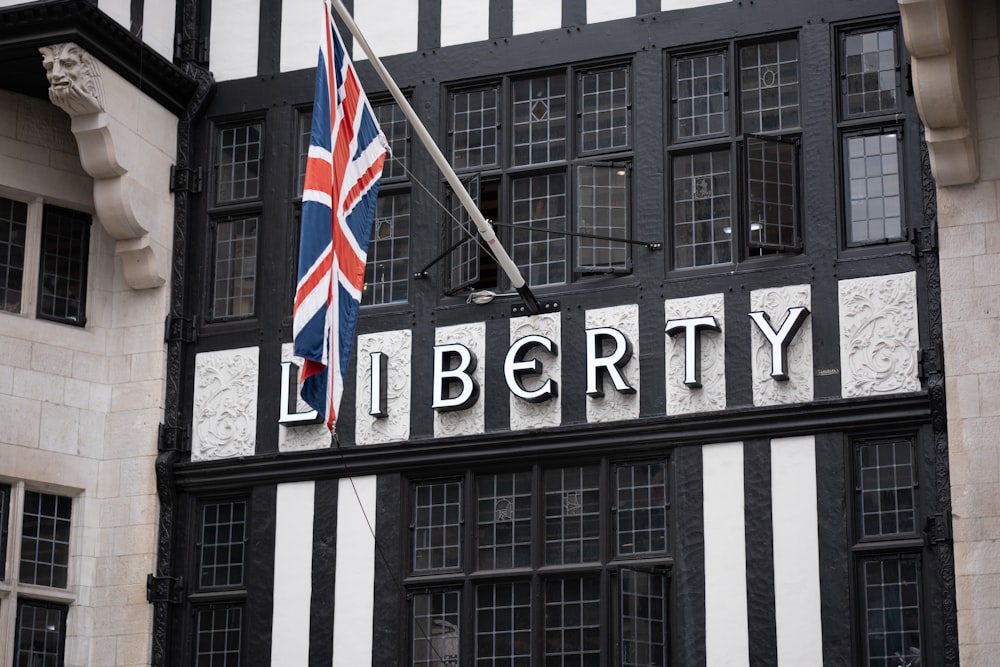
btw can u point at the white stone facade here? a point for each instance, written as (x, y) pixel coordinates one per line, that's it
(82, 404)
(967, 169)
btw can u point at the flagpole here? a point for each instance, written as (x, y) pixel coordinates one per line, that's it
(484, 227)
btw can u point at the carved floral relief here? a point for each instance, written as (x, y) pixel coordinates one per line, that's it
(473, 419)
(523, 414)
(711, 395)
(798, 388)
(397, 348)
(879, 335)
(616, 405)
(224, 410)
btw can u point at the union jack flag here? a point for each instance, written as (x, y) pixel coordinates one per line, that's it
(346, 153)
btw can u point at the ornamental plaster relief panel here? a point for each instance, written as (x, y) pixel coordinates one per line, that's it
(616, 405)
(523, 414)
(224, 411)
(879, 335)
(305, 436)
(711, 395)
(798, 388)
(472, 420)
(397, 348)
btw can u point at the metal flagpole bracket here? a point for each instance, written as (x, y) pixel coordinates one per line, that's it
(521, 310)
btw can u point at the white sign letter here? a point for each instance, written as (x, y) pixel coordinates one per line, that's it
(780, 339)
(612, 363)
(692, 344)
(515, 365)
(445, 377)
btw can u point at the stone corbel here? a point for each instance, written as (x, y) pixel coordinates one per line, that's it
(123, 204)
(939, 40)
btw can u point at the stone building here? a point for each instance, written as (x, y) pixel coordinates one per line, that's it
(750, 423)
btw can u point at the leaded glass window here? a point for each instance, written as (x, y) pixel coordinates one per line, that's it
(437, 520)
(539, 207)
(62, 279)
(872, 176)
(388, 267)
(701, 103)
(475, 136)
(702, 212)
(238, 162)
(13, 233)
(45, 536)
(235, 280)
(223, 544)
(869, 72)
(218, 636)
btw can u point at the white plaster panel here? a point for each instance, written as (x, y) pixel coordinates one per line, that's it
(395, 426)
(607, 10)
(305, 436)
(535, 15)
(293, 551)
(798, 388)
(795, 523)
(525, 415)
(614, 405)
(727, 641)
(464, 21)
(386, 37)
(301, 30)
(158, 18)
(233, 40)
(119, 10)
(879, 336)
(354, 588)
(224, 410)
(682, 399)
(472, 420)
(667, 5)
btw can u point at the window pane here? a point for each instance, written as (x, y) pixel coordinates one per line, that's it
(868, 72)
(874, 206)
(702, 209)
(539, 119)
(40, 636)
(437, 524)
(13, 230)
(539, 203)
(237, 163)
(700, 95)
(772, 168)
(641, 516)
(887, 489)
(303, 134)
(437, 629)
(223, 543)
(503, 624)
(769, 86)
(235, 268)
(63, 272)
(573, 621)
(45, 539)
(602, 210)
(397, 132)
(643, 608)
(605, 104)
(387, 271)
(475, 128)
(572, 515)
(218, 637)
(892, 611)
(504, 520)
(465, 262)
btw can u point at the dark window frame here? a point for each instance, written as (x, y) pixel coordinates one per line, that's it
(444, 611)
(59, 631)
(498, 180)
(225, 211)
(898, 120)
(734, 138)
(889, 547)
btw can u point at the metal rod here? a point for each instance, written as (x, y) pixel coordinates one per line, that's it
(485, 230)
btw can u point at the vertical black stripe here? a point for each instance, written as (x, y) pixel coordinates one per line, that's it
(760, 552)
(501, 18)
(260, 571)
(269, 38)
(574, 12)
(324, 564)
(136, 17)
(646, 7)
(832, 464)
(688, 576)
(429, 25)
(391, 619)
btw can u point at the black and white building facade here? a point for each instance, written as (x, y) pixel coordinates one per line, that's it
(721, 440)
